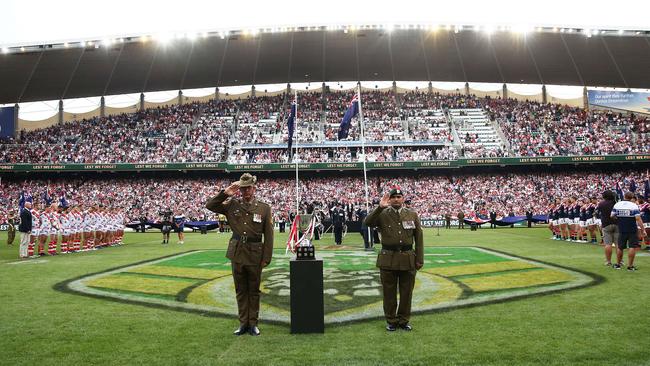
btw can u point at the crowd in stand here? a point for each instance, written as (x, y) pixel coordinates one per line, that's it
(432, 196)
(150, 136)
(205, 131)
(482, 151)
(341, 155)
(537, 129)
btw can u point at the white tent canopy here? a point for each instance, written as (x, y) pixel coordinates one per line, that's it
(28, 22)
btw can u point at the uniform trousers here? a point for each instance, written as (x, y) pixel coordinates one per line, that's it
(247, 288)
(391, 281)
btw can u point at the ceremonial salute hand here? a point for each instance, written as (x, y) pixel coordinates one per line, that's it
(384, 200)
(232, 189)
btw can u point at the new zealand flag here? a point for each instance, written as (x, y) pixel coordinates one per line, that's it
(346, 122)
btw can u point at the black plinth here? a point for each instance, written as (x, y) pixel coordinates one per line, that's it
(307, 307)
(305, 253)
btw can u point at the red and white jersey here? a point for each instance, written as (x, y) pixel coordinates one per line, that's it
(36, 220)
(64, 219)
(46, 221)
(77, 220)
(101, 220)
(86, 220)
(55, 219)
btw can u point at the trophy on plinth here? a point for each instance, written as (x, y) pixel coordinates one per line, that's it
(302, 245)
(306, 279)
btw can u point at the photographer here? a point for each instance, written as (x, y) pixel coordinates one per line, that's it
(166, 227)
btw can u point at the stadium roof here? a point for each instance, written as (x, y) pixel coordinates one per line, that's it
(552, 56)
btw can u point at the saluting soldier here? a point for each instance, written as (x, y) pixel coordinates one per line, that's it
(251, 247)
(11, 228)
(398, 262)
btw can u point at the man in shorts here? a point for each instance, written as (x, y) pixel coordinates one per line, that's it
(630, 227)
(610, 229)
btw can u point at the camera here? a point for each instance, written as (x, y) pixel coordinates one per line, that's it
(166, 215)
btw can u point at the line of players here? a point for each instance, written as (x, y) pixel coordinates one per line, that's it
(79, 229)
(577, 220)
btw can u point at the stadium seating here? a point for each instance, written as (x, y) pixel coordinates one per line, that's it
(423, 125)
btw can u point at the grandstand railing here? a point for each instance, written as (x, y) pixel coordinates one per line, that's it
(221, 166)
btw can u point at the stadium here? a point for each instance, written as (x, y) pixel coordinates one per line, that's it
(520, 148)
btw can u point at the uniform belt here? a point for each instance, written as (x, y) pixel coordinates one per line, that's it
(397, 248)
(246, 238)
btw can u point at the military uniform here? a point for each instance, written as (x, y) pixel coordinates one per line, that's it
(399, 230)
(11, 229)
(251, 244)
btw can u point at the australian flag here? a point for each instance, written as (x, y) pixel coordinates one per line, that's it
(646, 188)
(633, 186)
(291, 123)
(346, 122)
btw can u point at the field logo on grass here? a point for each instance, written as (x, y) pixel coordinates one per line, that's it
(452, 277)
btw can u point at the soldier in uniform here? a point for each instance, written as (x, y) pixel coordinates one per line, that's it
(11, 228)
(251, 247)
(398, 262)
(338, 219)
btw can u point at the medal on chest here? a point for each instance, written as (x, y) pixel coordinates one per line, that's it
(408, 224)
(257, 218)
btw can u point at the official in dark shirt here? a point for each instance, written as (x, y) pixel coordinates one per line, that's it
(25, 228)
(338, 220)
(610, 230)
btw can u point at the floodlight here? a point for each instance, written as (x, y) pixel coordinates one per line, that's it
(163, 38)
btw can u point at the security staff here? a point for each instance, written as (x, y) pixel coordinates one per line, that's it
(282, 223)
(493, 219)
(251, 247)
(338, 219)
(365, 230)
(398, 262)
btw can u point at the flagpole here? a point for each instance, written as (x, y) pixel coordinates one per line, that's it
(363, 144)
(295, 155)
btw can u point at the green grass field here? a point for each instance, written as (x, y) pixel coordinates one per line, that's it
(601, 324)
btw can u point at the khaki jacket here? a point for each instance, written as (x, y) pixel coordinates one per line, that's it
(251, 220)
(398, 229)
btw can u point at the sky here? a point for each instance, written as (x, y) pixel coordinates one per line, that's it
(28, 22)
